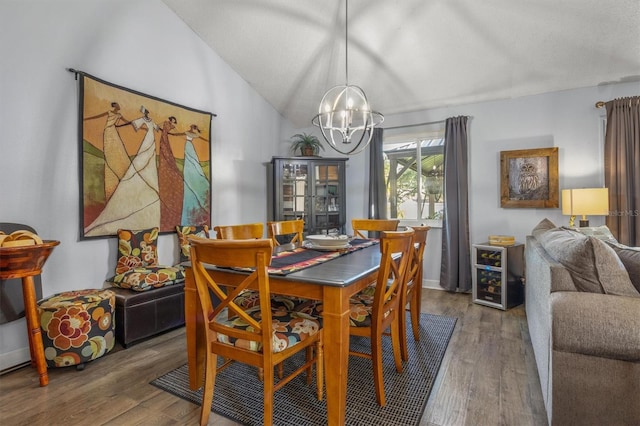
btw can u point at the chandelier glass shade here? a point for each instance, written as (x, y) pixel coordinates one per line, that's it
(344, 116)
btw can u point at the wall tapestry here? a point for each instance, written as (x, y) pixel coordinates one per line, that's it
(144, 161)
(529, 178)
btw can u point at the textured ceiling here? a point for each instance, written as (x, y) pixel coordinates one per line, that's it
(416, 54)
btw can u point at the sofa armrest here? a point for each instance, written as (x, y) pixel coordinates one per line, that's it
(595, 324)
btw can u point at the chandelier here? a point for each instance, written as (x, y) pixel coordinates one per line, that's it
(344, 116)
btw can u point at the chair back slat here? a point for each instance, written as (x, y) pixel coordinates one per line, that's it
(370, 226)
(286, 227)
(248, 231)
(391, 282)
(414, 274)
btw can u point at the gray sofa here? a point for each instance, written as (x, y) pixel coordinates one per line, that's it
(583, 312)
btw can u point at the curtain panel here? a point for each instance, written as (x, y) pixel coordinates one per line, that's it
(455, 270)
(377, 187)
(622, 169)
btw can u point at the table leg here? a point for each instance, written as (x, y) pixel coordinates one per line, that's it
(336, 352)
(33, 327)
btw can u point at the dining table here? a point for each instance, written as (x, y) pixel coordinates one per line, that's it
(332, 281)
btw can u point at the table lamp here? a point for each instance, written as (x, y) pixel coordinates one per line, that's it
(585, 201)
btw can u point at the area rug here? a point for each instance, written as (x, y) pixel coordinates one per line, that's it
(296, 403)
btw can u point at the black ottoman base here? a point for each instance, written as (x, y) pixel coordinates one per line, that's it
(140, 315)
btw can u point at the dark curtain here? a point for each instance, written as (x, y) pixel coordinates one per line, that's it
(377, 188)
(455, 270)
(622, 169)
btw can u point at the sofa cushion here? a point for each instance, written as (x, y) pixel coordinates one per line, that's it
(593, 268)
(185, 231)
(136, 248)
(147, 278)
(542, 227)
(630, 257)
(611, 272)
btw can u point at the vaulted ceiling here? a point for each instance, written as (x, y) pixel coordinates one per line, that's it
(416, 54)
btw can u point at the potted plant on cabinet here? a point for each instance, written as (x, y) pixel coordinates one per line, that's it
(306, 144)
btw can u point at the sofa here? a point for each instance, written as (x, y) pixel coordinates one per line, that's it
(583, 313)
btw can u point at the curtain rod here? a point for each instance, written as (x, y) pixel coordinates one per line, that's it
(600, 104)
(414, 125)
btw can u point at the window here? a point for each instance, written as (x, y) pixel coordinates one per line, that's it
(414, 174)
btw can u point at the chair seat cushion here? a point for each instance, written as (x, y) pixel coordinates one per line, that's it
(148, 277)
(289, 328)
(251, 298)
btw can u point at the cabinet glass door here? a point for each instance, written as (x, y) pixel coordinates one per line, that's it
(295, 193)
(327, 197)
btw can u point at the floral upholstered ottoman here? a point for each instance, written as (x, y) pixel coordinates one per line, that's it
(77, 326)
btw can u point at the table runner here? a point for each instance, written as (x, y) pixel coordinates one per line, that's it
(301, 258)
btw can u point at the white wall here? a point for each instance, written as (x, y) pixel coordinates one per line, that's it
(139, 44)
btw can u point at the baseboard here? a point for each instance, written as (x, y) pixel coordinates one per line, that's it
(14, 359)
(431, 284)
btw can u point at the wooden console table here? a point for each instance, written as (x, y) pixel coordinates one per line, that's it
(25, 262)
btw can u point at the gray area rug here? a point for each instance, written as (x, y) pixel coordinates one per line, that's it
(296, 403)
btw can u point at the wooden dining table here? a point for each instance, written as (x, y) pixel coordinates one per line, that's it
(333, 282)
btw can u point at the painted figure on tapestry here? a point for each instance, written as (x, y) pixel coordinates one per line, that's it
(116, 160)
(139, 183)
(169, 180)
(195, 205)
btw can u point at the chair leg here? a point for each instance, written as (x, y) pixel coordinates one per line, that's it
(280, 370)
(414, 306)
(396, 343)
(376, 359)
(402, 322)
(268, 398)
(308, 357)
(211, 363)
(319, 370)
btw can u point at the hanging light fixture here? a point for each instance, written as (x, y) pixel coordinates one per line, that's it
(344, 115)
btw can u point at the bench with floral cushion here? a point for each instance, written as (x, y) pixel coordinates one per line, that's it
(149, 296)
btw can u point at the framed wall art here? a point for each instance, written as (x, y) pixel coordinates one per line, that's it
(144, 162)
(529, 178)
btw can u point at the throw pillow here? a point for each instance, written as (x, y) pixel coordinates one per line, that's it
(147, 278)
(575, 252)
(542, 227)
(600, 232)
(611, 272)
(630, 257)
(185, 231)
(137, 249)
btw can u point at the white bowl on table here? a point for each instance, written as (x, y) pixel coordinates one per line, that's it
(328, 241)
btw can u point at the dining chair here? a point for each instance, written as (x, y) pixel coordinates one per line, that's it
(262, 337)
(413, 293)
(286, 227)
(240, 232)
(377, 308)
(360, 226)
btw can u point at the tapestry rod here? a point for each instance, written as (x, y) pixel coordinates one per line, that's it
(414, 125)
(76, 72)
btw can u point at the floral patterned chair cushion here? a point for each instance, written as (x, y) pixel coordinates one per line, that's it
(147, 278)
(360, 307)
(289, 328)
(185, 231)
(137, 249)
(77, 326)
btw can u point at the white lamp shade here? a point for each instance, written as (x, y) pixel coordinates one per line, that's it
(585, 201)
